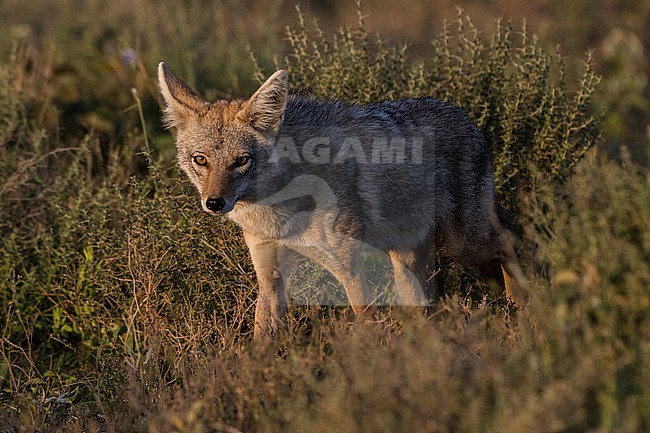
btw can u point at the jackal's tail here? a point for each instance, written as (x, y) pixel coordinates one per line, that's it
(515, 281)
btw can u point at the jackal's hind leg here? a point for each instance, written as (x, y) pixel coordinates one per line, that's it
(409, 269)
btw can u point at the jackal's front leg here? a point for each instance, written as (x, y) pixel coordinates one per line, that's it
(271, 300)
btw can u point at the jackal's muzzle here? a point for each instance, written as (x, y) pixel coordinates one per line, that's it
(219, 204)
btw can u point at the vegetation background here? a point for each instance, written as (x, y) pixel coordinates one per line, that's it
(124, 308)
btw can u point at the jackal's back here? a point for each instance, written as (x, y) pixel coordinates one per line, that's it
(437, 172)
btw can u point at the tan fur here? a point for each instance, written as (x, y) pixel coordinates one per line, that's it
(396, 177)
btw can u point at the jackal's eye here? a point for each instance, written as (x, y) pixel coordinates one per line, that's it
(200, 160)
(242, 160)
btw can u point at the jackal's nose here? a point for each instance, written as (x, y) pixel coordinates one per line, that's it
(215, 204)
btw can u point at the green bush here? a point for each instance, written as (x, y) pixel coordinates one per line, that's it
(509, 85)
(598, 302)
(96, 268)
(9, 107)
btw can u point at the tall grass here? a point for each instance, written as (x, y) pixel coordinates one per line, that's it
(124, 308)
(575, 360)
(79, 60)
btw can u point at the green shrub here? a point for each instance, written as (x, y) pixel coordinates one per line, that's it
(10, 109)
(598, 304)
(509, 85)
(96, 268)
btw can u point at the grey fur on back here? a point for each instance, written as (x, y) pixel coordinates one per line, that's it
(397, 204)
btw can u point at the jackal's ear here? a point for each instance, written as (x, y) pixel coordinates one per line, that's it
(181, 101)
(265, 109)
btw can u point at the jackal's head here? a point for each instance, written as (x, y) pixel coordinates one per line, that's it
(224, 146)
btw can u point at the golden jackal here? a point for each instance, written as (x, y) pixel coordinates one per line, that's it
(325, 179)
